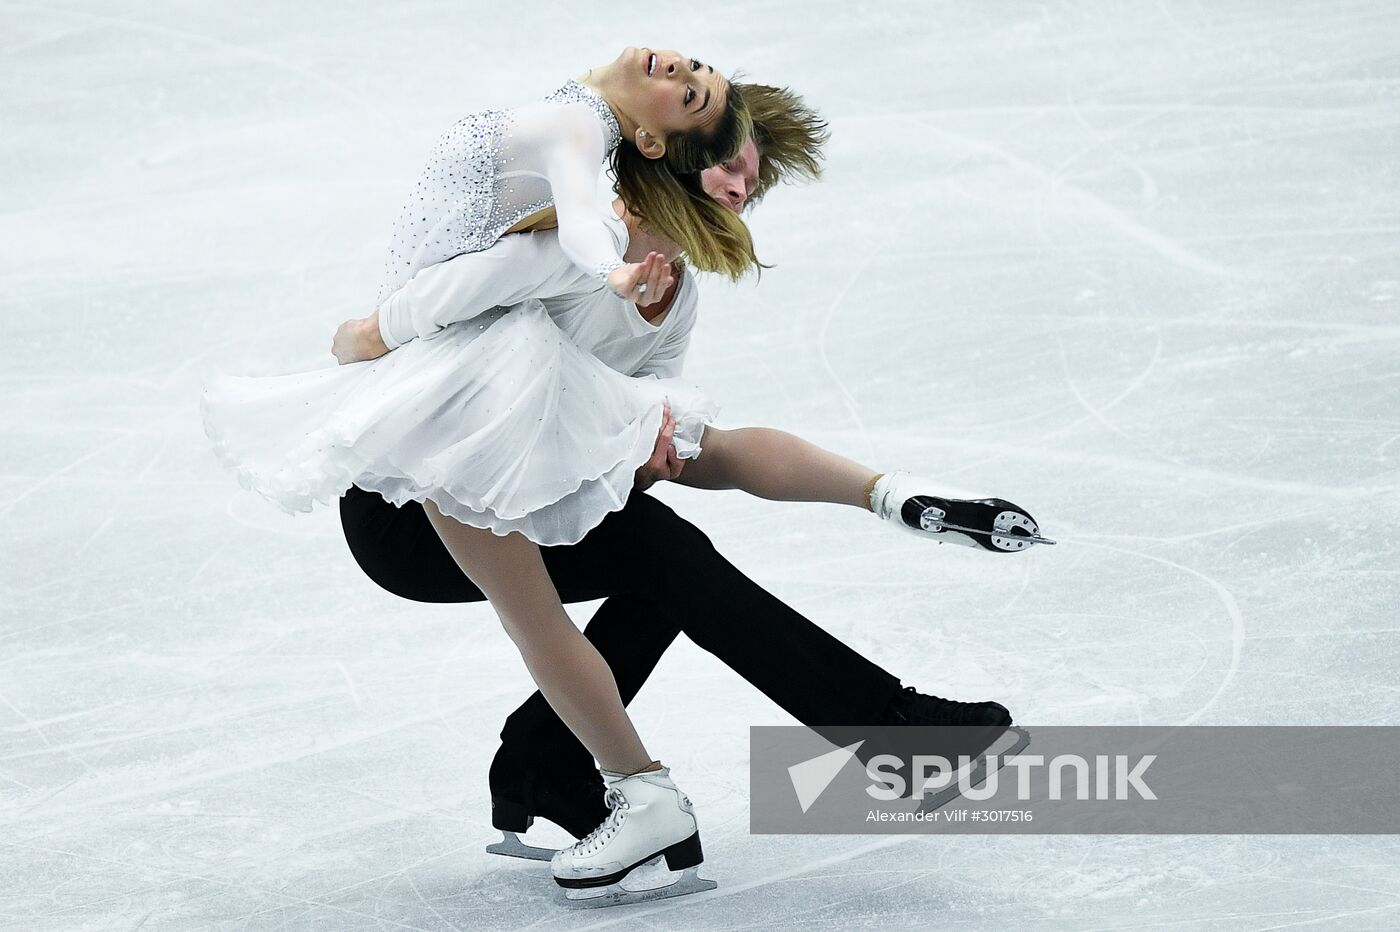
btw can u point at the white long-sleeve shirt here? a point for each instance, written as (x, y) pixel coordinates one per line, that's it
(534, 266)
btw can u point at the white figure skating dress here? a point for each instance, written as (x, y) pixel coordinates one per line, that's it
(501, 420)
(495, 168)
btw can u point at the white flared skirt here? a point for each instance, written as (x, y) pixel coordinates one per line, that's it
(501, 421)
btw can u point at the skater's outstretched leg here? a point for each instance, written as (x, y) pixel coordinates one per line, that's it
(568, 669)
(777, 465)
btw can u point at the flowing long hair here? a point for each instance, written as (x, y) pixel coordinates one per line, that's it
(667, 196)
(789, 136)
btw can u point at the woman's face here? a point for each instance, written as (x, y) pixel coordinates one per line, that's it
(669, 93)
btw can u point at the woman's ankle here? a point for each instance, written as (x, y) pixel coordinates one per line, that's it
(652, 767)
(868, 496)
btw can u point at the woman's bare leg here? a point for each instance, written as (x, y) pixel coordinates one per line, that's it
(570, 672)
(777, 465)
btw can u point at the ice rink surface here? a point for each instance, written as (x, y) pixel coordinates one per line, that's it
(1135, 266)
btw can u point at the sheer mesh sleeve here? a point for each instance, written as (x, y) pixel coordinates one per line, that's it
(495, 169)
(569, 147)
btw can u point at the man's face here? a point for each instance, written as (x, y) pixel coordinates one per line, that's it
(732, 183)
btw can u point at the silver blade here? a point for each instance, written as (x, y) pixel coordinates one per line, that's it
(1010, 744)
(1033, 538)
(511, 846)
(637, 887)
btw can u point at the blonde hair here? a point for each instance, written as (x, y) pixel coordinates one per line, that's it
(788, 134)
(667, 196)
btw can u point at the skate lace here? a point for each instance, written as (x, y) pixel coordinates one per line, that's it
(956, 712)
(604, 833)
(943, 711)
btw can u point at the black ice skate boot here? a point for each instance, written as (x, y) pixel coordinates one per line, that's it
(992, 524)
(910, 707)
(568, 793)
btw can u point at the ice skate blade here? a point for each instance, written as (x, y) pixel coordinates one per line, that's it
(651, 881)
(511, 846)
(1011, 743)
(1004, 539)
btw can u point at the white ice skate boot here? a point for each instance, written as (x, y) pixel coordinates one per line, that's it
(990, 523)
(648, 848)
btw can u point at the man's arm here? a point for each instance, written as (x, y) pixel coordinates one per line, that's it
(517, 267)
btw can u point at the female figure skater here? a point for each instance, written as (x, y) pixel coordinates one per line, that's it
(661, 116)
(507, 433)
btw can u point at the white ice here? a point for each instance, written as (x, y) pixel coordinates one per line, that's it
(1133, 265)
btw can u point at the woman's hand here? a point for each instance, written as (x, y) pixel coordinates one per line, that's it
(643, 283)
(664, 464)
(358, 340)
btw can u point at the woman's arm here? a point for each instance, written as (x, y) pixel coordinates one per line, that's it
(574, 150)
(776, 465)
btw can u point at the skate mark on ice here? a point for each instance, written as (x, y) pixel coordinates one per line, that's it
(50, 747)
(1105, 140)
(65, 469)
(728, 889)
(19, 783)
(1232, 609)
(1032, 112)
(1211, 532)
(1333, 916)
(1174, 473)
(1097, 414)
(1026, 576)
(1359, 333)
(227, 715)
(424, 900)
(209, 776)
(133, 25)
(350, 683)
(115, 503)
(236, 885)
(41, 41)
(846, 397)
(1113, 217)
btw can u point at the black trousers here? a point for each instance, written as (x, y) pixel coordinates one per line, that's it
(660, 576)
